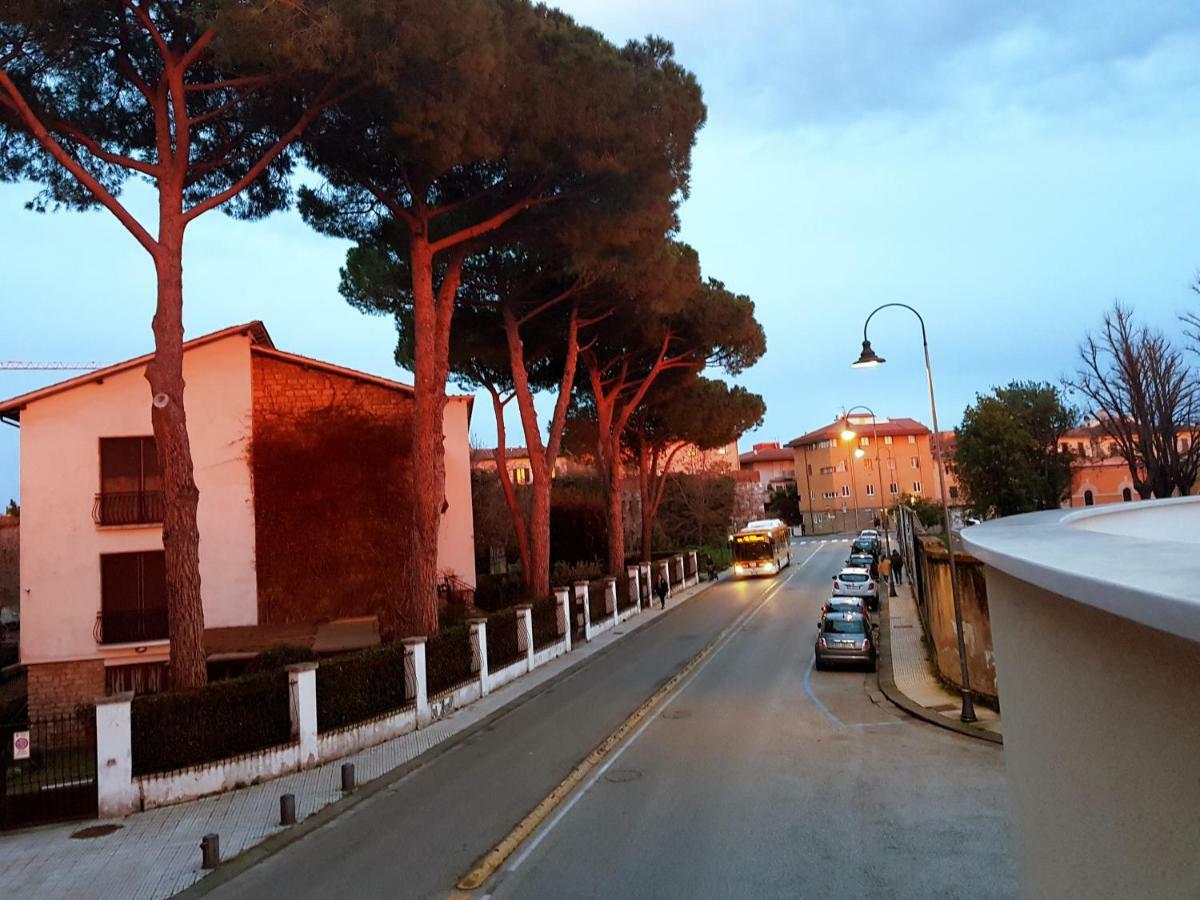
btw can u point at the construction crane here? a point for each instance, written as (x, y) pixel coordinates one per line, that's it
(27, 366)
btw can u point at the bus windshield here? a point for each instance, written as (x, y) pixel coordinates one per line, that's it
(748, 548)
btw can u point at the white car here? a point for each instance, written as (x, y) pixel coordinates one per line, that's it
(869, 532)
(853, 582)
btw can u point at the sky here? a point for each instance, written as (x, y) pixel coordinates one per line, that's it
(1009, 169)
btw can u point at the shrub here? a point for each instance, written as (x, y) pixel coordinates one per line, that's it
(359, 686)
(565, 574)
(275, 658)
(449, 660)
(545, 622)
(228, 718)
(503, 645)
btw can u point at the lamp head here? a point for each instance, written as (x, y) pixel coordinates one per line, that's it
(848, 433)
(868, 358)
(859, 452)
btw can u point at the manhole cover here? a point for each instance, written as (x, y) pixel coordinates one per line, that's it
(95, 831)
(677, 714)
(620, 776)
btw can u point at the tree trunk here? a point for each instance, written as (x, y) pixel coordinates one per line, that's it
(538, 581)
(417, 613)
(645, 492)
(616, 521)
(181, 498)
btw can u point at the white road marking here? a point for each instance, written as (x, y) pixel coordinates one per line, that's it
(549, 826)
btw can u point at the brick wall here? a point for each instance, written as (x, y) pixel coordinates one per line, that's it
(56, 688)
(332, 488)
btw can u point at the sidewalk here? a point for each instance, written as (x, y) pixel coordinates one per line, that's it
(912, 672)
(156, 854)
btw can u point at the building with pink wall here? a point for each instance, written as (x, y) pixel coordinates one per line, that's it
(92, 583)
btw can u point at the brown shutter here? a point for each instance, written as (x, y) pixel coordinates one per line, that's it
(120, 465)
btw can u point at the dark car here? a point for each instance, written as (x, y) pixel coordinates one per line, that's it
(846, 638)
(856, 605)
(865, 546)
(863, 561)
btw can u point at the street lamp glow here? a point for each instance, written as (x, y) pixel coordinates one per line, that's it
(868, 358)
(849, 434)
(859, 452)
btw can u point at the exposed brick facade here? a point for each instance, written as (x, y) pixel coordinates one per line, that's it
(332, 486)
(56, 688)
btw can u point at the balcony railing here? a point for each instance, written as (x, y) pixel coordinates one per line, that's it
(128, 508)
(130, 627)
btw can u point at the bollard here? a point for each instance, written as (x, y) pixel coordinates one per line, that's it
(347, 776)
(210, 851)
(287, 809)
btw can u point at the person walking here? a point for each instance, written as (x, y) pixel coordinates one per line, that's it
(661, 589)
(885, 571)
(898, 566)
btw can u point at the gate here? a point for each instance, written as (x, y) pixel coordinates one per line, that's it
(57, 780)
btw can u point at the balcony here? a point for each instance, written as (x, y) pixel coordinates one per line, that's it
(131, 626)
(1095, 618)
(129, 508)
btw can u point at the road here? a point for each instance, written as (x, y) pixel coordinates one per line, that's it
(757, 777)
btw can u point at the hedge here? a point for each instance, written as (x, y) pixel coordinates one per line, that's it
(359, 686)
(503, 645)
(545, 622)
(178, 729)
(597, 604)
(449, 660)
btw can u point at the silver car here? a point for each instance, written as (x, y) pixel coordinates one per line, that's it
(854, 582)
(846, 638)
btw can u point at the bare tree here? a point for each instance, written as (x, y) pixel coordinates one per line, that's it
(1146, 399)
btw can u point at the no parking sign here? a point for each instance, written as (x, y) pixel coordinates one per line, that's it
(20, 745)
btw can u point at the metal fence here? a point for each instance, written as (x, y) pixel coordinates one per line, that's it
(545, 614)
(48, 769)
(503, 642)
(450, 660)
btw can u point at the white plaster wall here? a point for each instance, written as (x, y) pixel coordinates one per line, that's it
(1100, 738)
(60, 476)
(456, 535)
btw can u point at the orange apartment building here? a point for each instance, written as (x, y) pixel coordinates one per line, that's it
(1100, 473)
(841, 490)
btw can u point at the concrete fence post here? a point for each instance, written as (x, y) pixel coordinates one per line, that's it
(564, 615)
(479, 652)
(116, 795)
(610, 598)
(647, 584)
(302, 696)
(581, 594)
(679, 570)
(664, 572)
(635, 587)
(695, 567)
(525, 632)
(417, 688)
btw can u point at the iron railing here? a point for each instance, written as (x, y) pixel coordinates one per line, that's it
(503, 641)
(48, 768)
(547, 629)
(128, 508)
(130, 627)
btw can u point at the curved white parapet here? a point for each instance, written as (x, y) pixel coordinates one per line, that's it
(1095, 618)
(1140, 561)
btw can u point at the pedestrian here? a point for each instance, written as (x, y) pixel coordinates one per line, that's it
(898, 566)
(885, 570)
(661, 589)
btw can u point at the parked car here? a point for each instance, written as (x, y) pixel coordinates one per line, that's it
(854, 583)
(863, 561)
(869, 532)
(845, 638)
(835, 605)
(866, 545)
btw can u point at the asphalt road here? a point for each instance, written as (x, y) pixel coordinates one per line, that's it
(757, 778)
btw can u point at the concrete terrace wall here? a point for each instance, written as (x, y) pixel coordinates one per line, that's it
(1096, 615)
(936, 603)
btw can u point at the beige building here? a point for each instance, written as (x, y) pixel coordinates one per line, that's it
(302, 496)
(774, 464)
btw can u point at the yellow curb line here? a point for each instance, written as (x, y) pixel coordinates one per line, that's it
(494, 859)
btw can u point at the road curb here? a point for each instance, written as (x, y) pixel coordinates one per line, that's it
(887, 686)
(275, 843)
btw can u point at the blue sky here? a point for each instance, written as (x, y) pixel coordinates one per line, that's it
(1008, 169)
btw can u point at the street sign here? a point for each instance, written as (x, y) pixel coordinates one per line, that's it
(20, 745)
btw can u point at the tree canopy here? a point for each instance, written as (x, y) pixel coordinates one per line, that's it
(1008, 455)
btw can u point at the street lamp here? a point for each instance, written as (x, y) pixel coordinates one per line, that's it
(867, 359)
(848, 435)
(878, 476)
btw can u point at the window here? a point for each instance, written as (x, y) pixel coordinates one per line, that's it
(130, 482)
(810, 468)
(845, 490)
(916, 487)
(912, 438)
(864, 442)
(916, 462)
(812, 495)
(829, 495)
(721, 451)
(953, 492)
(866, 464)
(894, 488)
(827, 470)
(887, 439)
(892, 463)
(523, 475)
(1126, 495)
(133, 598)
(1184, 443)
(870, 490)
(841, 467)
(1089, 499)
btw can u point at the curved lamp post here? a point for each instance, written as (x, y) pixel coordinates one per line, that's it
(868, 359)
(887, 543)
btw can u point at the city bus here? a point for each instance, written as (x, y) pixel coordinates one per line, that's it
(761, 548)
